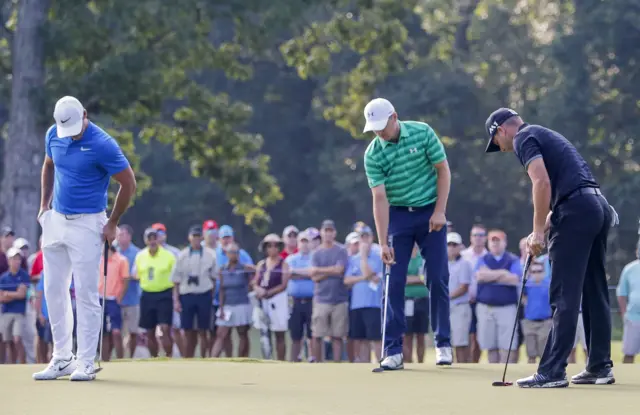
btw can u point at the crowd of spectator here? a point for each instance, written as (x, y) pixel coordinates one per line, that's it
(307, 292)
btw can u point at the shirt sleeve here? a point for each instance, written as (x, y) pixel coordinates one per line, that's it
(245, 258)
(527, 149)
(435, 148)
(47, 141)
(623, 286)
(111, 157)
(516, 268)
(375, 175)
(465, 277)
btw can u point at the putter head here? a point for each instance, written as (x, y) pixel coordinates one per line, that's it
(501, 383)
(97, 370)
(378, 369)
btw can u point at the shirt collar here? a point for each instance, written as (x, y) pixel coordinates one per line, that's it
(403, 133)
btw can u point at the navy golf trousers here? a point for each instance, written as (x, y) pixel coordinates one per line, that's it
(577, 248)
(408, 226)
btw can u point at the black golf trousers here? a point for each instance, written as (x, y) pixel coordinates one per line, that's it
(577, 248)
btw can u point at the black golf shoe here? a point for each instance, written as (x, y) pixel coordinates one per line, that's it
(603, 377)
(542, 381)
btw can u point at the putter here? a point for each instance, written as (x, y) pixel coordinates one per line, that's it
(104, 301)
(525, 271)
(387, 274)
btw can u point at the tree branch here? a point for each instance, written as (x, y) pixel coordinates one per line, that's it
(4, 31)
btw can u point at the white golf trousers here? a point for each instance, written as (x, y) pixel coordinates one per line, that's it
(72, 244)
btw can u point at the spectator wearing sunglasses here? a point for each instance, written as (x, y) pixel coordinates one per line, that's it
(476, 250)
(290, 238)
(537, 311)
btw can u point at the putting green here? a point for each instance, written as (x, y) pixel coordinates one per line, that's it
(180, 387)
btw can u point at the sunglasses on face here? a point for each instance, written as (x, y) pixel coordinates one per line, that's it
(452, 244)
(479, 234)
(537, 271)
(232, 251)
(271, 245)
(292, 235)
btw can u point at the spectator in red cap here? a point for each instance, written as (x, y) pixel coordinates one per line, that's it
(290, 238)
(210, 229)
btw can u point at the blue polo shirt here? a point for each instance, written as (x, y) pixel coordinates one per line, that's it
(299, 288)
(568, 171)
(629, 286)
(221, 260)
(82, 169)
(11, 282)
(362, 294)
(495, 294)
(537, 307)
(132, 295)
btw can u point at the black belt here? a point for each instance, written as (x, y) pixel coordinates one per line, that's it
(579, 192)
(412, 208)
(302, 300)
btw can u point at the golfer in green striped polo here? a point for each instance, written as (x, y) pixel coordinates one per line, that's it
(409, 176)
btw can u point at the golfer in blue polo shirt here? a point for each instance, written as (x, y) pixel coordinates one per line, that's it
(80, 159)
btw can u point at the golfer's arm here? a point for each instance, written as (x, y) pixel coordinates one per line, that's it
(541, 191)
(127, 181)
(443, 186)
(622, 302)
(381, 213)
(46, 182)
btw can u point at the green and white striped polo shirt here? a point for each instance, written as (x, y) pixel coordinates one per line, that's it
(406, 168)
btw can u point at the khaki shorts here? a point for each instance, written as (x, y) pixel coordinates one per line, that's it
(460, 316)
(535, 336)
(130, 319)
(580, 336)
(495, 325)
(330, 320)
(11, 325)
(631, 338)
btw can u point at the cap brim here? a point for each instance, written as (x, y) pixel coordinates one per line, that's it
(375, 125)
(64, 130)
(491, 146)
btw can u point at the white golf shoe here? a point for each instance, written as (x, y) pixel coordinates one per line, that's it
(393, 362)
(444, 356)
(57, 368)
(84, 372)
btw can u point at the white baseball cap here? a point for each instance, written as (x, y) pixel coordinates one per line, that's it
(377, 113)
(454, 237)
(13, 251)
(20, 243)
(352, 238)
(68, 114)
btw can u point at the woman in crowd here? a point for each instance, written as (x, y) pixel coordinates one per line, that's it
(270, 285)
(235, 309)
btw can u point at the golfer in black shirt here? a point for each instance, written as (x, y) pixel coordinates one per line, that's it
(569, 205)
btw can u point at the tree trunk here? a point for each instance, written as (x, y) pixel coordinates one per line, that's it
(23, 150)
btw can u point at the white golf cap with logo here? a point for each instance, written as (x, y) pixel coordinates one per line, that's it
(377, 113)
(453, 237)
(68, 114)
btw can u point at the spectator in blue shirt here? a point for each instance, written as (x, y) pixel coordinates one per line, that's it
(13, 297)
(130, 304)
(628, 293)
(498, 276)
(364, 276)
(300, 289)
(227, 236)
(537, 310)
